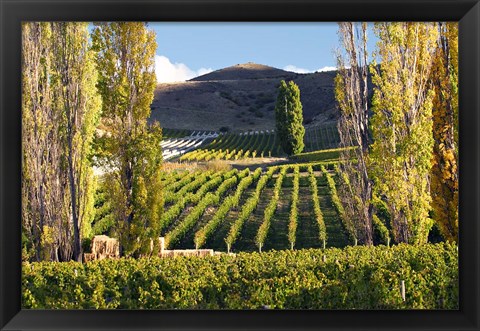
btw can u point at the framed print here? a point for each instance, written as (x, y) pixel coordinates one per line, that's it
(240, 165)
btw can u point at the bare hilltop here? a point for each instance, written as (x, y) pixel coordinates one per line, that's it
(241, 97)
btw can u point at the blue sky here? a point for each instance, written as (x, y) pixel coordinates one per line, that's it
(186, 50)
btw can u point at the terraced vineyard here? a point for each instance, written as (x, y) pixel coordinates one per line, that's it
(275, 208)
(291, 206)
(321, 137)
(238, 146)
(178, 133)
(209, 145)
(177, 145)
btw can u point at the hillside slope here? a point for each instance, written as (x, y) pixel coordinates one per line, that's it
(248, 70)
(240, 97)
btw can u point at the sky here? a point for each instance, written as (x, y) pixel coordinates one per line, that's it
(189, 49)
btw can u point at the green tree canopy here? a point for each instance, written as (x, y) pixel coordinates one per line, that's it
(60, 110)
(401, 155)
(129, 148)
(289, 118)
(444, 176)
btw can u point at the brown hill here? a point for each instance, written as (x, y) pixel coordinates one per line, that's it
(248, 70)
(241, 97)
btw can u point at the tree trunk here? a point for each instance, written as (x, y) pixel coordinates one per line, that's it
(77, 247)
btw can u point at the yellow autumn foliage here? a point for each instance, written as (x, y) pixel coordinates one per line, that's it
(444, 173)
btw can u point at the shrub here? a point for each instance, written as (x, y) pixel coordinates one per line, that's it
(347, 223)
(321, 155)
(269, 211)
(293, 218)
(358, 277)
(322, 230)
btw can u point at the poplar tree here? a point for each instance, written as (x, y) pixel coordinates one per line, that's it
(289, 118)
(42, 179)
(130, 150)
(59, 112)
(401, 154)
(74, 77)
(444, 174)
(351, 94)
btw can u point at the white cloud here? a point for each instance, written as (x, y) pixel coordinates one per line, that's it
(203, 71)
(298, 70)
(326, 69)
(168, 72)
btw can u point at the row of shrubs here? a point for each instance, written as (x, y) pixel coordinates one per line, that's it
(235, 146)
(293, 217)
(325, 155)
(269, 211)
(247, 208)
(228, 203)
(357, 277)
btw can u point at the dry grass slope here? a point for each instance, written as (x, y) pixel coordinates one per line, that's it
(240, 97)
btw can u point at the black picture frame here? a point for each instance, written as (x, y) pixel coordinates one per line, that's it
(13, 12)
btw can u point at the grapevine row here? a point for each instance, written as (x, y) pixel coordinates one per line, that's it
(293, 220)
(230, 182)
(184, 179)
(203, 200)
(270, 211)
(338, 204)
(216, 181)
(204, 233)
(322, 231)
(314, 278)
(206, 200)
(247, 209)
(235, 147)
(184, 196)
(198, 180)
(197, 211)
(170, 178)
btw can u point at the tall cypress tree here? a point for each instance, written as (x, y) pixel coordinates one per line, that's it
(289, 118)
